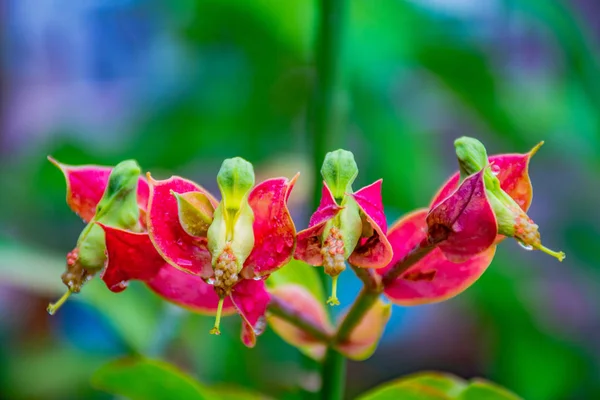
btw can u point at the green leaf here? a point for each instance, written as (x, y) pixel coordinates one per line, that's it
(438, 385)
(483, 390)
(145, 379)
(299, 273)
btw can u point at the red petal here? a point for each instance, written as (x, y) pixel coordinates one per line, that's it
(308, 241)
(274, 230)
(304, 303)
(188, 253)
(374, 251)
(433, 278)
(251, 298)
(132, 256)
(513, 172)
(86, 185)
(467, 218)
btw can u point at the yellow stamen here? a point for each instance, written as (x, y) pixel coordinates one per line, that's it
(215, 330)
(535, 149)
(53, 307)
(333, 300)
(558, 254)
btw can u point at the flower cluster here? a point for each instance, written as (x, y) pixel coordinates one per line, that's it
(213, 257)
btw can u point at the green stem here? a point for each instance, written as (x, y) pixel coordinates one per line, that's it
(363, 303)
(296, 318)
(416, 254)
(324, 113)
(333, 376)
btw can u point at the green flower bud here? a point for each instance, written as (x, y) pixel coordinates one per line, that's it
(339, 171)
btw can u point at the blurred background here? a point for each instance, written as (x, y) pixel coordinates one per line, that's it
(181, 85)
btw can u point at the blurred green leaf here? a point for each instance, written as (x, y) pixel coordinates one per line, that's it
(145, 379)
(299, 273)
(438, 386)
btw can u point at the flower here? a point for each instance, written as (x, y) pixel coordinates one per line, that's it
(123, 254)
(346, 225)
(455, 240)
(233, 244)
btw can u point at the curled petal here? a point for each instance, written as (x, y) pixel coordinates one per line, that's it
(187, 253)
(464, 223)
(364, 338)
(274, 230)
(512, 171)
(131, 256)
(308, 241)
(251, 298)
(304, 303)
(86, 185)
(434, 278)
(373, 251)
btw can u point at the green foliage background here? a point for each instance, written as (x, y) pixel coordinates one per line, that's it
(200, 80)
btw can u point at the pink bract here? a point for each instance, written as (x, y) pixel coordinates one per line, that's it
(308, 246)
(434, 278)
(464, 223)
(273, 227)
(251, 298)
(86, 185)
(187, 253)
(512, 171)
(132, 256)
(374, 251)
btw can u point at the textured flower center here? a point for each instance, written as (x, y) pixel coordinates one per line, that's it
(333, 253)
(226, 275)
(75, 275)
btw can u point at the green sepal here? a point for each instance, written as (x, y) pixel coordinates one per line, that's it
(241, 240)
(196, 212)
(339, 171)
(118, 208)
(235, 179)
(233, 218)
(350, 225)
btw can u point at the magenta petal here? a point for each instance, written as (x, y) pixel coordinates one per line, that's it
(274, 230)
(251, 298)
(512, 171)
(131, 256)
(308, 241)
(374, 251)
(433, 278)
(185, 252)
(86, 185)
(188, 291)
(465, 220)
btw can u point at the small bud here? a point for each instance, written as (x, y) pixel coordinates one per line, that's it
(339, 171)
(235, 179)
(471, 154)
(195, 212)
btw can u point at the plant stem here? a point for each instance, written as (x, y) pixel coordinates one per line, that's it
(415, 255)
(324, 113)
(363, 303)
(294, 317)
(333, 376)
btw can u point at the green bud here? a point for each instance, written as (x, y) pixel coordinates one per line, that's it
(339, 171)
(235, 179)
(471, 154)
